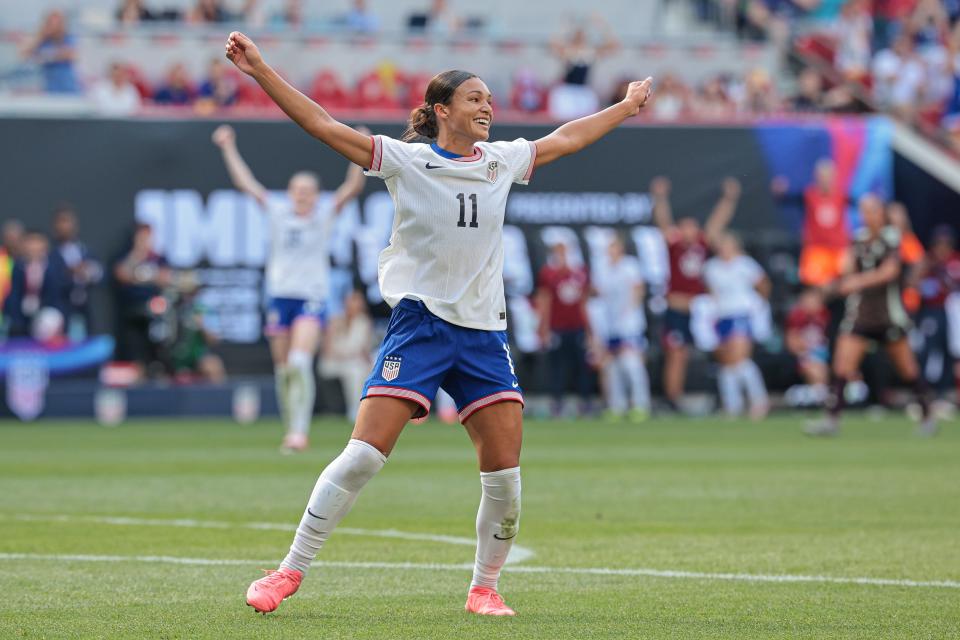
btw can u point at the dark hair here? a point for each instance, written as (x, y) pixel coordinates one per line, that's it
(423, 119)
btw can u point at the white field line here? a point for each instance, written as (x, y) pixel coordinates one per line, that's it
(405, 566)
(517, 553)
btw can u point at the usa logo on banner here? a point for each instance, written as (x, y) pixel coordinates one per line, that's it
(27, 380)
(391, 368)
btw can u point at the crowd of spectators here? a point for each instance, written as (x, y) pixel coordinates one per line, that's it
(900, 56)
(45, 280)
(434, 18)
(896, 56)
(124, 89)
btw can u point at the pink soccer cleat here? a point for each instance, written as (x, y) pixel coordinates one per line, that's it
(487, 602)
(266, 594)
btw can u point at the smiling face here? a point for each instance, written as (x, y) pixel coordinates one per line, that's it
(728, 247)
(303, 190)
(469, 113)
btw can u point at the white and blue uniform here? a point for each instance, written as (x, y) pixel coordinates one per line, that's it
(298, 270)
(623, 320)
(732, 283)
(443, 272)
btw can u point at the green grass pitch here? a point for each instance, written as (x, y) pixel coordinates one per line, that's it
(703, 497)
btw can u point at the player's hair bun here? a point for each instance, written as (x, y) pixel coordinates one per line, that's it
(423, 120)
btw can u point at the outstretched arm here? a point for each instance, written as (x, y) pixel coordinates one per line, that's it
(662, 212)
(888, 271)
(351, 187)
(240, 174)
(311, 117)
(723, 211)
(576, 135)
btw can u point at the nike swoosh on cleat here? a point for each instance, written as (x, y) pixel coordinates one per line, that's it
(315, 515)
(507, 538)
(434, 166)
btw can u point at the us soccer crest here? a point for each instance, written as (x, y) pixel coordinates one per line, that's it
(391, 368)
(492, 169)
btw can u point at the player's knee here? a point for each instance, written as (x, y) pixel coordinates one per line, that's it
(358, 463)
(841, 370)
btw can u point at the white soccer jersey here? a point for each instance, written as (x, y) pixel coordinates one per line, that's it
(622, 314)
(733, 284)
(446, 248)
(299, 262)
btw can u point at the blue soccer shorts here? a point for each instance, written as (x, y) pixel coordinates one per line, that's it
(733, 327)
(282, 312)
(422, 353)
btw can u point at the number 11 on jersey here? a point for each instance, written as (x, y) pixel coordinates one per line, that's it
(463, 210)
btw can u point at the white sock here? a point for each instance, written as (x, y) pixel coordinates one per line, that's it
(281, 382)
(752, 380)
(498, 522)
(303, 390)
(633, 365)
(335, 492)
(730, 391)
(616, 397)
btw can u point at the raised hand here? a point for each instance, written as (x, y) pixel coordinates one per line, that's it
(731, 188)
(660, 187)
(224, 136)
(242, 52)
(637, 94)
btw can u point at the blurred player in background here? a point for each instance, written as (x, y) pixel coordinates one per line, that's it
(806, 338)
(874, 313)
(346, 350)
(443, 275)
(938, 280)
(911, 255)
(736, 281)
(826, 226)
(689, 248)
(620, 289)
(297, 278)
(562, 292)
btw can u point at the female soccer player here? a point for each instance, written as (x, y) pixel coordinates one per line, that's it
(442, 273)
(688, 247)
(735, 280)
(875, 313)
(620, 291)
(297, 279)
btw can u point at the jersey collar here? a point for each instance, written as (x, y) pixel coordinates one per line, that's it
(449, 155)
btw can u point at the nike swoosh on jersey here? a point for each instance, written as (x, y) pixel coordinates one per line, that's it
(434, 166)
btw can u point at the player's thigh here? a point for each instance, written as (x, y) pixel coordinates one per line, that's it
(723, 354)
(497, 435)
(741, 348)
(848, 354)
(211, 366)
(903, 359)
(305, 334)
(279, 347)
(380, 421)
